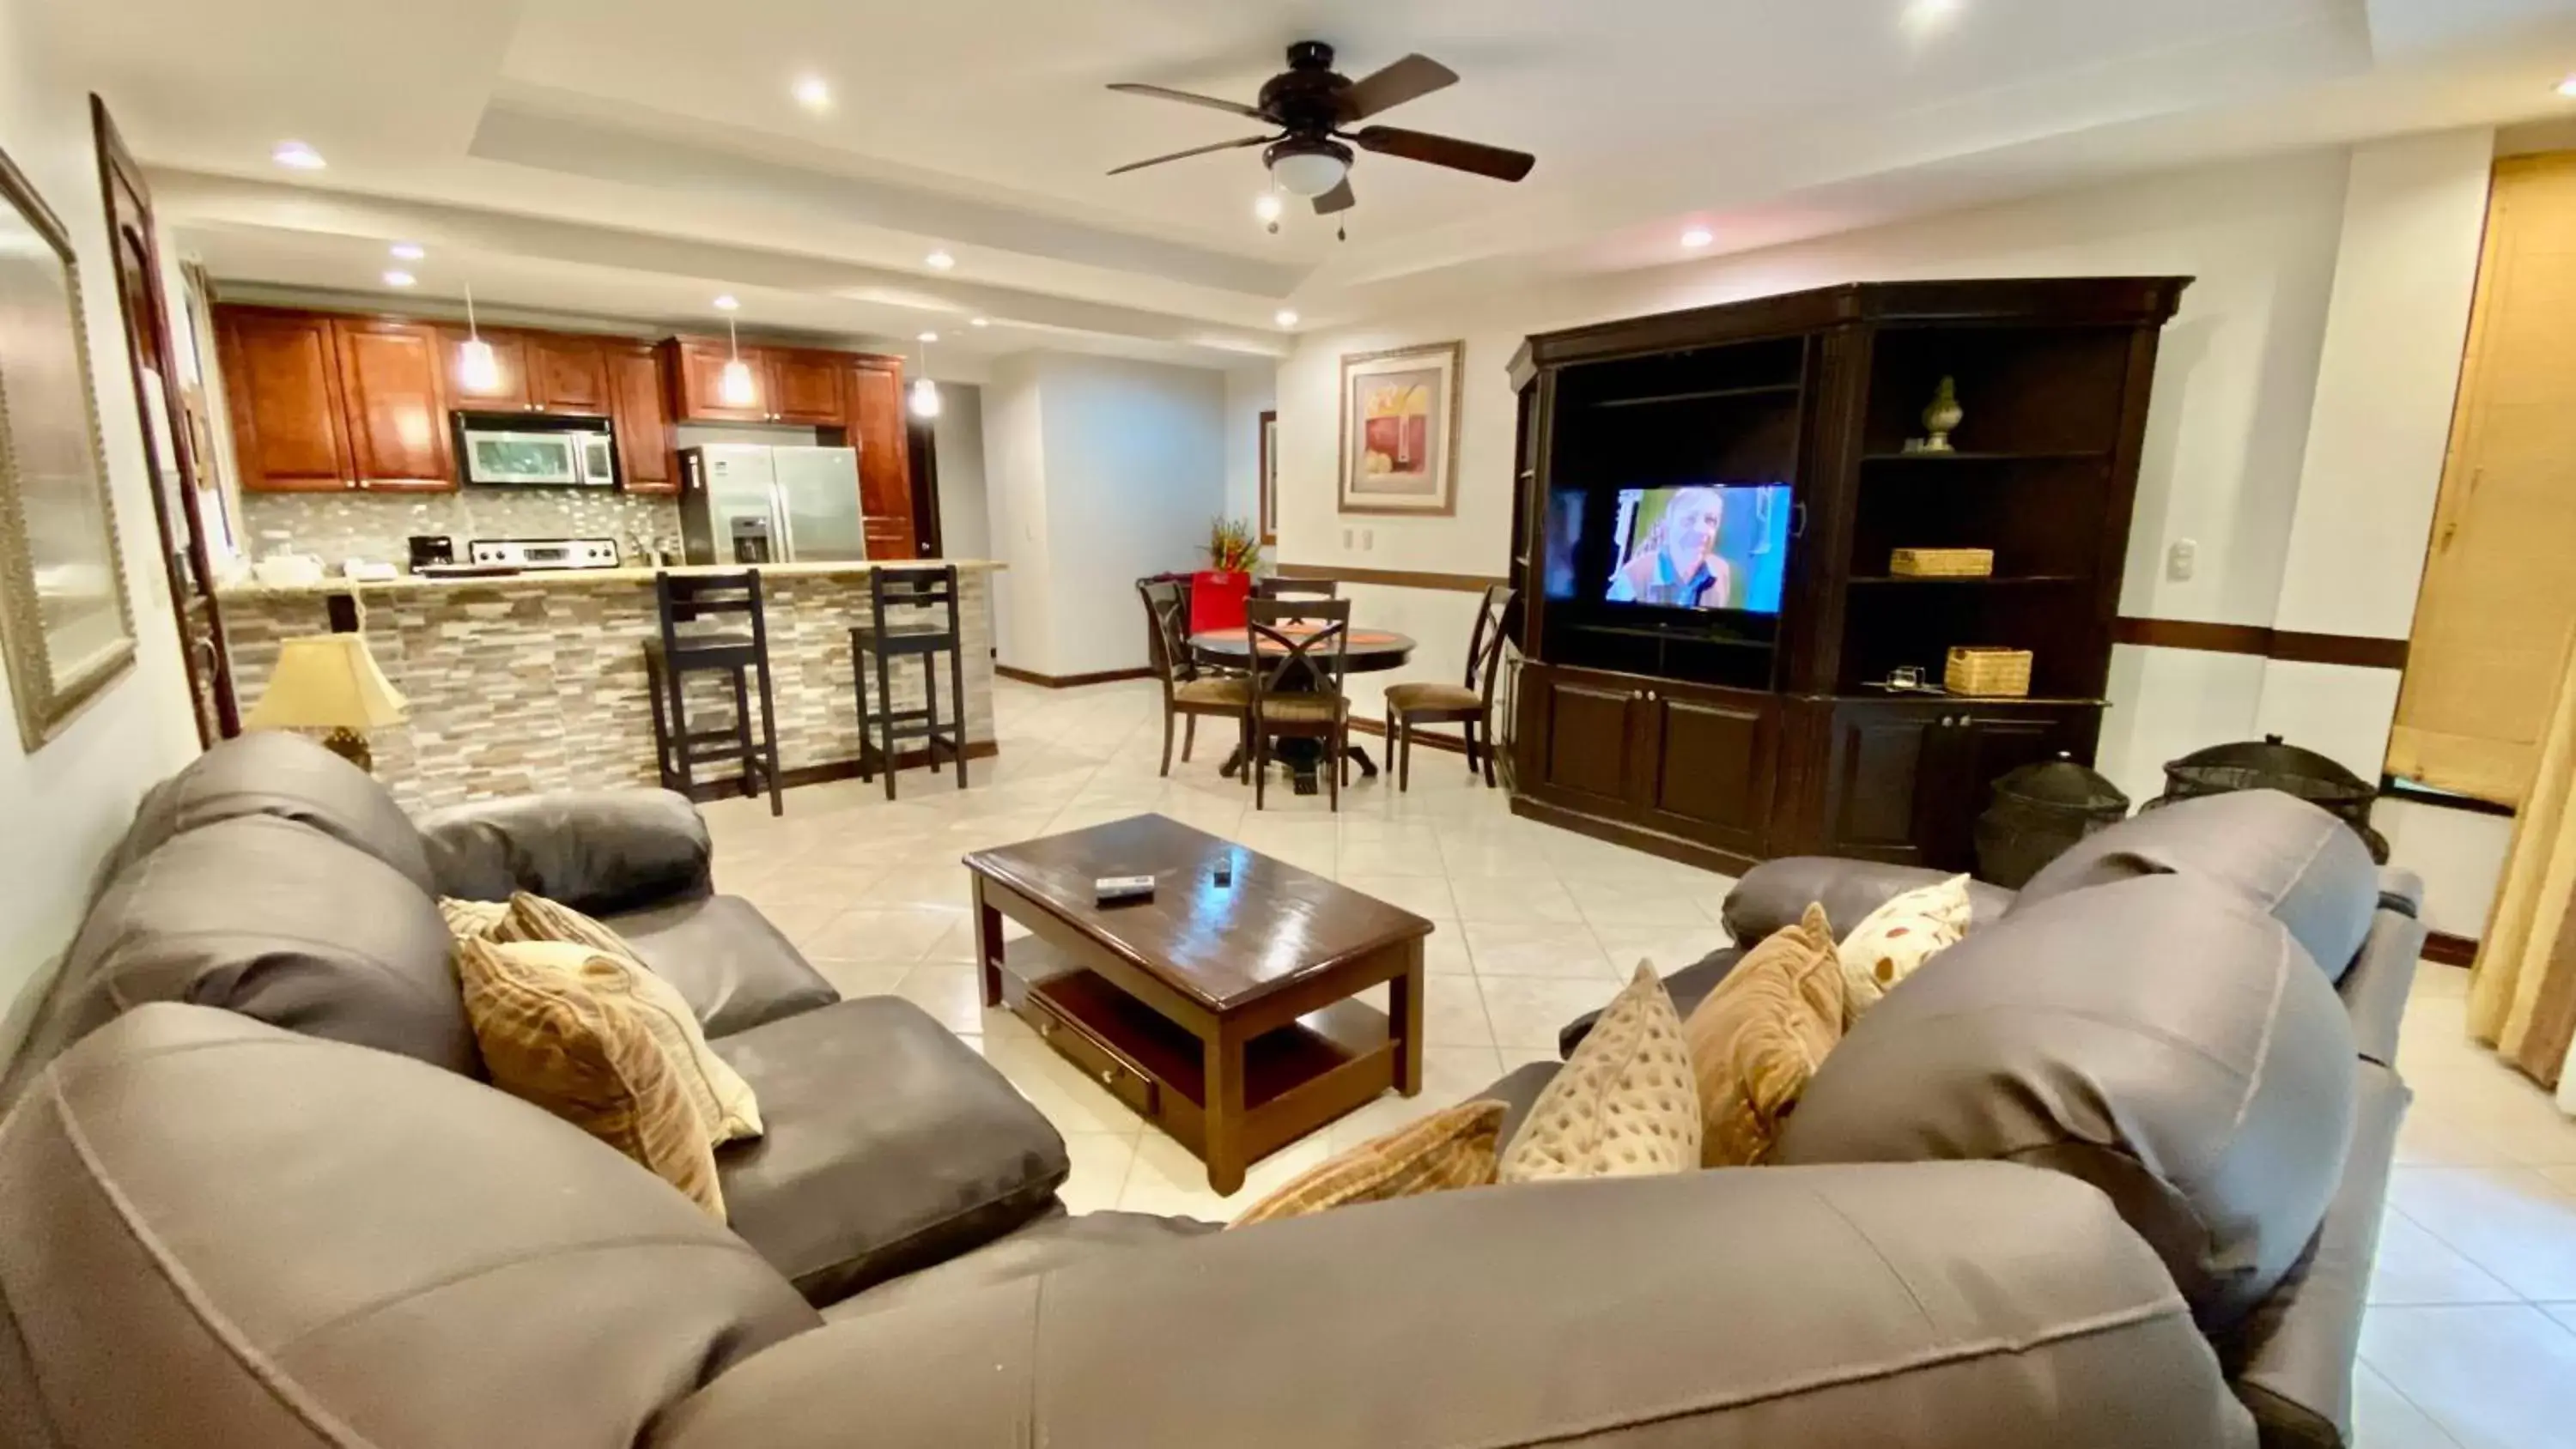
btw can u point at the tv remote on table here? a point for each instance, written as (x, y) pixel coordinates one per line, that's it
(1112, 889)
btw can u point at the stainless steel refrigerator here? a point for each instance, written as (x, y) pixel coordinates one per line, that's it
(743, 503)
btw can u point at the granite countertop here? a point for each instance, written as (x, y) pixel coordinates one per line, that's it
(250, 588)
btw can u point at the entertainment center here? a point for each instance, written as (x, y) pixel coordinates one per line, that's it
(1719, 660)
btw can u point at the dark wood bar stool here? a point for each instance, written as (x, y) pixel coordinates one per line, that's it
(884, 639)
(696, 612)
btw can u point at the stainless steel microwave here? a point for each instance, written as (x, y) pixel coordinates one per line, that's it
(512, 453)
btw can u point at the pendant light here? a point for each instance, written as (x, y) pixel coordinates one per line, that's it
(734, 387)
(476, 365)
(925, 393)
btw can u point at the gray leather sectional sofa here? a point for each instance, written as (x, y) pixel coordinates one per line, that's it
(252, 1191)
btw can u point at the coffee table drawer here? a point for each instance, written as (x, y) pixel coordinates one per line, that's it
(1100, 1061)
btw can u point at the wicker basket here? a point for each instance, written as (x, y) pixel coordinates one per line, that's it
(1988, 673)
(1942, 563)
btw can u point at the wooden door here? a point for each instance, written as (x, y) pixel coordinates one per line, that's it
(508, 394)
(1873, 779)
(1982, 744)
(1585, 749)
(697, 383)
(636, 410)
(397, 412)
(282, 375)
(1704, 765)
(885, 472)
(567, 374)
(186, 502)
(805, 387)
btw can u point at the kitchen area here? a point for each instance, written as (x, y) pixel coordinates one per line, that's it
(488, 507)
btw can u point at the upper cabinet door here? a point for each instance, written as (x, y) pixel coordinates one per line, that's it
(885, 466)
(643, 426)
(805, 388)
(697, 383)
(397, 416)
(567, 374)
(509, 349)
(282, 373)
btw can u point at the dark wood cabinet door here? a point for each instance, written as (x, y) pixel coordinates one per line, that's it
(1978, 746)
(397, 413)
(697, 384)
(875, 412)
(508, 394)
(636, 410)
(1704, 765)
(567, 374)
(282, 372)
(805, 388)
(1908, 781)
(1586, 743)
(1874, 776)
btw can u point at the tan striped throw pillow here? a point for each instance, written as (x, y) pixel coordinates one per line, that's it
(1445, 1150)
(550, 1037)
(722, 1097)
(1624, 1105)
(471, 918)
(1757, 1038)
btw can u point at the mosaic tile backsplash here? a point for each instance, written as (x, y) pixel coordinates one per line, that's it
(337, 526)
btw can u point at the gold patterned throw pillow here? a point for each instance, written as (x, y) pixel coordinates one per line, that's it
(1624, 1105)
(471, 918)
(723, 1099)
(1758, 1037)
(1892, 942)
(550, 1036)
(1445, 1150)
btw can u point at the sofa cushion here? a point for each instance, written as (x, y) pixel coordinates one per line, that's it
(1625, 1105)
(602, 851)
(1776, 892)
(732, 965)
(1445, 1151)
(1892, 942)
(1055, 1241)
(1757, 1040)
(278, 921)
(891, 1146)
(289, 777)
(2162, 1039)
(224, 1233)
(2303, 865)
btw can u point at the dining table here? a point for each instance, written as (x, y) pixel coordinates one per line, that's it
(1369, 651)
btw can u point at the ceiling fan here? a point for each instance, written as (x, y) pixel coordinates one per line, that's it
(1313, 105)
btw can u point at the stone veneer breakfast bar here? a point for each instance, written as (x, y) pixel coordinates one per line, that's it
(535, 681)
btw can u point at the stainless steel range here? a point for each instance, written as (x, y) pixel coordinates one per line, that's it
(543, 553)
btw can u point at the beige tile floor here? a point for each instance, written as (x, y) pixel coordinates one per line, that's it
(2471, 1337)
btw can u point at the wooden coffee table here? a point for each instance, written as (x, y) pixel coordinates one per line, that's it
(1226, 1015)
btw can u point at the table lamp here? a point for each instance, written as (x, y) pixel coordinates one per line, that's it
(330, 682)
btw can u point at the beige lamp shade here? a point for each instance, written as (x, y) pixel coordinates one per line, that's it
(327, 681)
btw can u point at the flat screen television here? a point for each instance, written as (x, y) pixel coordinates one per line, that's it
(1706, 548)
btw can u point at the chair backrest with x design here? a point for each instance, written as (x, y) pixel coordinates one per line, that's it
(1485, 646)
(1274, 587)
(1165, 647)
(1309, 660)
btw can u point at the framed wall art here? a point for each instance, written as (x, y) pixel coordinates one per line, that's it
(1269, 476)
(1400, 430)
(66, 623)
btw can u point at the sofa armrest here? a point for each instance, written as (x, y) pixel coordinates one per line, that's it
(1936, 1304)
(1775, 893)
(599, 851)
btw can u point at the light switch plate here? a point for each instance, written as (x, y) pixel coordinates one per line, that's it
(2182, 560)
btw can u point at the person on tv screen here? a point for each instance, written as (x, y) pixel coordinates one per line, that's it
(1677, 564)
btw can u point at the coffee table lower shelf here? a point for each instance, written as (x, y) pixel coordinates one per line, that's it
(1300, 1077)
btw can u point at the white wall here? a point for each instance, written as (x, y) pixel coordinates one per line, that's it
(71, 801)
(965, 525)
(1015, 510)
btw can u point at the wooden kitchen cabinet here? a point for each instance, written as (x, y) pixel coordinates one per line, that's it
(875, 413)
(639, 414)
(509, 350)
(395, 405)
(282, 376)
(567, 374)
(804, 387)
(696, 369)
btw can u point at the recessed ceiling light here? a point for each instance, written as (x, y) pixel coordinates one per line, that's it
(726, 303)
(1285, 316)
(980, 322)
(939, 261)
(1925, 16)
(297, 155)
(2567, 88)
(406, 252)
(399, 279)
(1698, 236)
(928, 337)
(813, 93)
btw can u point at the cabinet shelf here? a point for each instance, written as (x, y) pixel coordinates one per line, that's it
(1768, 389)
(1990, 581)
(2074, 455)
(1667, 636)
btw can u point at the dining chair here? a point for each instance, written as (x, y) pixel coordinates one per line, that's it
(1470, 705)
(1188, 690)
(1297, 679)
(1274, 587)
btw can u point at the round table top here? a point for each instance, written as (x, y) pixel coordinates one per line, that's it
(1370, 650)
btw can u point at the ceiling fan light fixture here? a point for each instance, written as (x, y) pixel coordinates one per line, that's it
(1267, 206)
(1307, 167)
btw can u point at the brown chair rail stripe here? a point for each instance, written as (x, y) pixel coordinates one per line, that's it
(2358, 651)
(1391, 578)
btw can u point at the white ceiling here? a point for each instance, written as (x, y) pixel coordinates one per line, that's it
(634, 157)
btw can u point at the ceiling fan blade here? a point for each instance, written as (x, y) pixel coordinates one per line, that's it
(1138, 88)
(1390, 86)
(1340, 198)
(1447, 151)
(1195, 151)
